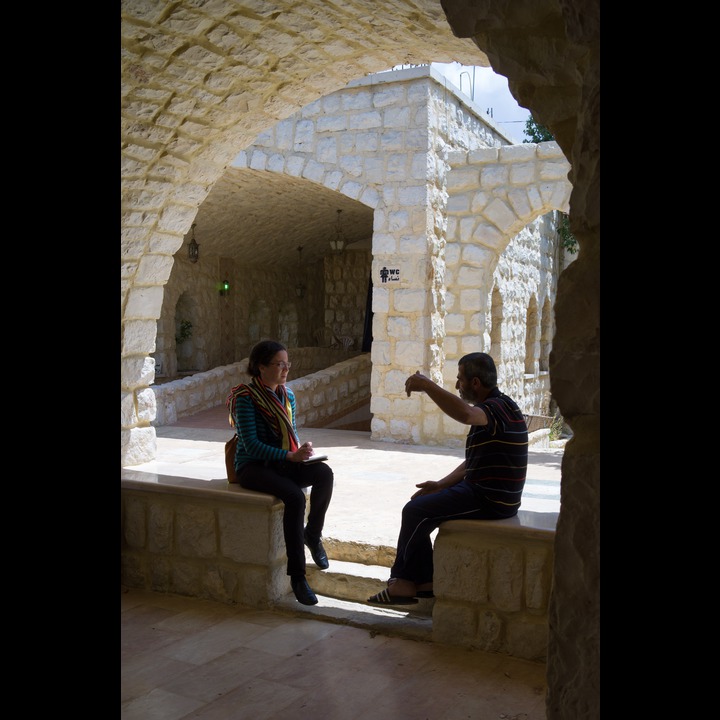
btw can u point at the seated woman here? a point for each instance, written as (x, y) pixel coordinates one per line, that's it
(270, 459)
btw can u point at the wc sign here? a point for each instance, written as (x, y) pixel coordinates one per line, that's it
(389, 275)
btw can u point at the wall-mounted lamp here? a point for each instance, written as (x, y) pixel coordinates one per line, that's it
(300, 287)
(224, 287)
(193, 247)
(338, 241)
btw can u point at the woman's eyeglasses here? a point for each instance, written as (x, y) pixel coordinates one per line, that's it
(284, 365)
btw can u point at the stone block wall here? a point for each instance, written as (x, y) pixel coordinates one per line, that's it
(226, 546)
(492, 585)
(321, 392)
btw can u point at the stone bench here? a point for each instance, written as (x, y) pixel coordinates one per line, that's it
(492, 584)
(206, 539)
(213, 540)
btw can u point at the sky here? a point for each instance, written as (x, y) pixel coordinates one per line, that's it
(491, 92)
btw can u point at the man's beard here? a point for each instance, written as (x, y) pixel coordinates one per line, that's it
(469, 397)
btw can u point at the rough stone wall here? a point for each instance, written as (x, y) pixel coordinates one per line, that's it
(326, 382)
(550, 52)
(492, 584)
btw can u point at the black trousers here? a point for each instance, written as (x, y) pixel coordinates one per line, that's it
(286, 480)
(420, 516)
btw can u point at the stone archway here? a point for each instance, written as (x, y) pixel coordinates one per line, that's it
(200, 82)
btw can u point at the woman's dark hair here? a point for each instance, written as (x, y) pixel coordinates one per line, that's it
(262, 354)
(482, 366)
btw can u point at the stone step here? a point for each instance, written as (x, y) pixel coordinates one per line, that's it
(358, 552)
(357, 571)
(356, 582)
(396, 621)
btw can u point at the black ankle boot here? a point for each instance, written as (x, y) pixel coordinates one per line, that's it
(303, 592)
(317, 551)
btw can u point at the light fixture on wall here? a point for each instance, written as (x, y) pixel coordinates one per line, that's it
(300, 287)
(193, 247)
(224, 287)
(338, 241)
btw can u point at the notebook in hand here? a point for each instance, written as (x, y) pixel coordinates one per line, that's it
(315, 458)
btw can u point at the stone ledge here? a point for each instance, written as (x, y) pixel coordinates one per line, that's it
(194, 487)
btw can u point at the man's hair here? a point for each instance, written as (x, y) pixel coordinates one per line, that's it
(481, 366)
(262, 354)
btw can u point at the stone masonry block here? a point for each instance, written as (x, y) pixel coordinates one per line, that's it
(527, 638)
(134, 526)
(295, 165)
(460, 203)
(132, 570)
(186, 578)
(258, 160)
(538, 577)
(481, 156)
(461, 568)
(247, 536)
(548, 150)
(471, 276)
(501, 214)
(314, 171)
(455, 323)
(213, 583)
(160, 529)
(506, 578)
(410, 353)
(352, 189)
(154, 269)
(490, 631)
(252, 585)
(160, 573)
(409, 300)
(471, 300)
(487, 235)
(554, 171)
(522, 174)
(534, 198)
(146, 406)
(139, 337)
(518, 199)
(462, 178)
(195, 531)
(524, 153)
(229, 577)
(478, 201)
(453, 623)
(494, 176)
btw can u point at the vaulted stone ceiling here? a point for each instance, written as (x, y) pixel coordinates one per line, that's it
(258, 217)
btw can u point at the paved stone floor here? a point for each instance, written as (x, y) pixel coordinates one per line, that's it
(185, 658)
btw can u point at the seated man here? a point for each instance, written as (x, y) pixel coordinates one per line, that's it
(487, 485)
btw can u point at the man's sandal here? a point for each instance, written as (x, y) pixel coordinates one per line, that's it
(385, 598)
(424, 594)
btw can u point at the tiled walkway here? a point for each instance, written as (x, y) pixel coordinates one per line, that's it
(186, 658)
